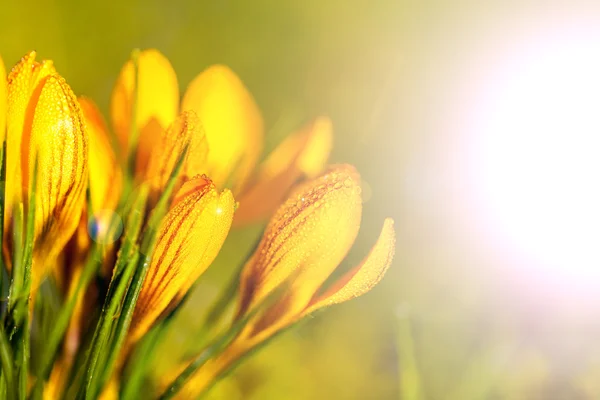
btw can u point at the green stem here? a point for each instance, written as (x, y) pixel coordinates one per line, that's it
(215, 348)
(220, 343)
(64, 316)
(121, 276)
(105, 325)
(134, 131)
(2, 205)
(16, 273)
(410, 378)
(6, 360)
(140, 363)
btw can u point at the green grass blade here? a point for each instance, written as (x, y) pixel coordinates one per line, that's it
(6, 360)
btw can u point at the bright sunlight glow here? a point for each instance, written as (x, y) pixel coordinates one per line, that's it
(537, 150)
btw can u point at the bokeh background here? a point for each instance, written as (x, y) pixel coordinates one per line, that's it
(474, 306)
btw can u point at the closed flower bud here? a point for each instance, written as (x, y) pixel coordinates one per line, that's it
(156, 102)
(188, 241)
(232, 122)
(45, 126)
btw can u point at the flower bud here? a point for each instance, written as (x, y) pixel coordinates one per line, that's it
(156, 102)
(45, 126)
(188, 241)
(232, 123)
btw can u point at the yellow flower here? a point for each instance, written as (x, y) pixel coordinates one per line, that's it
(157, 102)
(232, 121)
(303, 245)
(188, 241)
(230, 125)
(229, 116)
(45, 124)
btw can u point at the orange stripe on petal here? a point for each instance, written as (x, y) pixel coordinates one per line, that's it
(232, 122)
(308, 237)
(189, 239)
(59, 143)
(185, 130)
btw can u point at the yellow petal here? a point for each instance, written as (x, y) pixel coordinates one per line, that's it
(303, 154)
(185, 130)
(55, 136)
(2, 101)
(157, 101)
(106, 180)
(364, 276)
(111, 390)
(308, 237)
(232, 122)
(54, 386)
(189, 239)
(23, 80)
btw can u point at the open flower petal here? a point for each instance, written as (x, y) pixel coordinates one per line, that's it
(308, 237)
(106, 179)
(303, 154)
(157, 101)
(55, 137)
(232, 122)
(189, 239)
(186, 130)
(364, 276)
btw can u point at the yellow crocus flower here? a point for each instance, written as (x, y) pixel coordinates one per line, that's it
(156, 105)
(232, 125)
(188, 241)
(232, 121)
(303, 245)
(45, 125)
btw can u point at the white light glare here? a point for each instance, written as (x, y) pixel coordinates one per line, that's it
(538, 154)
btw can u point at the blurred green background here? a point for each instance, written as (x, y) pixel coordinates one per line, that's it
(450, 321)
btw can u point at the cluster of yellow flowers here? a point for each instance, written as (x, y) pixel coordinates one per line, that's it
(176, 179)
